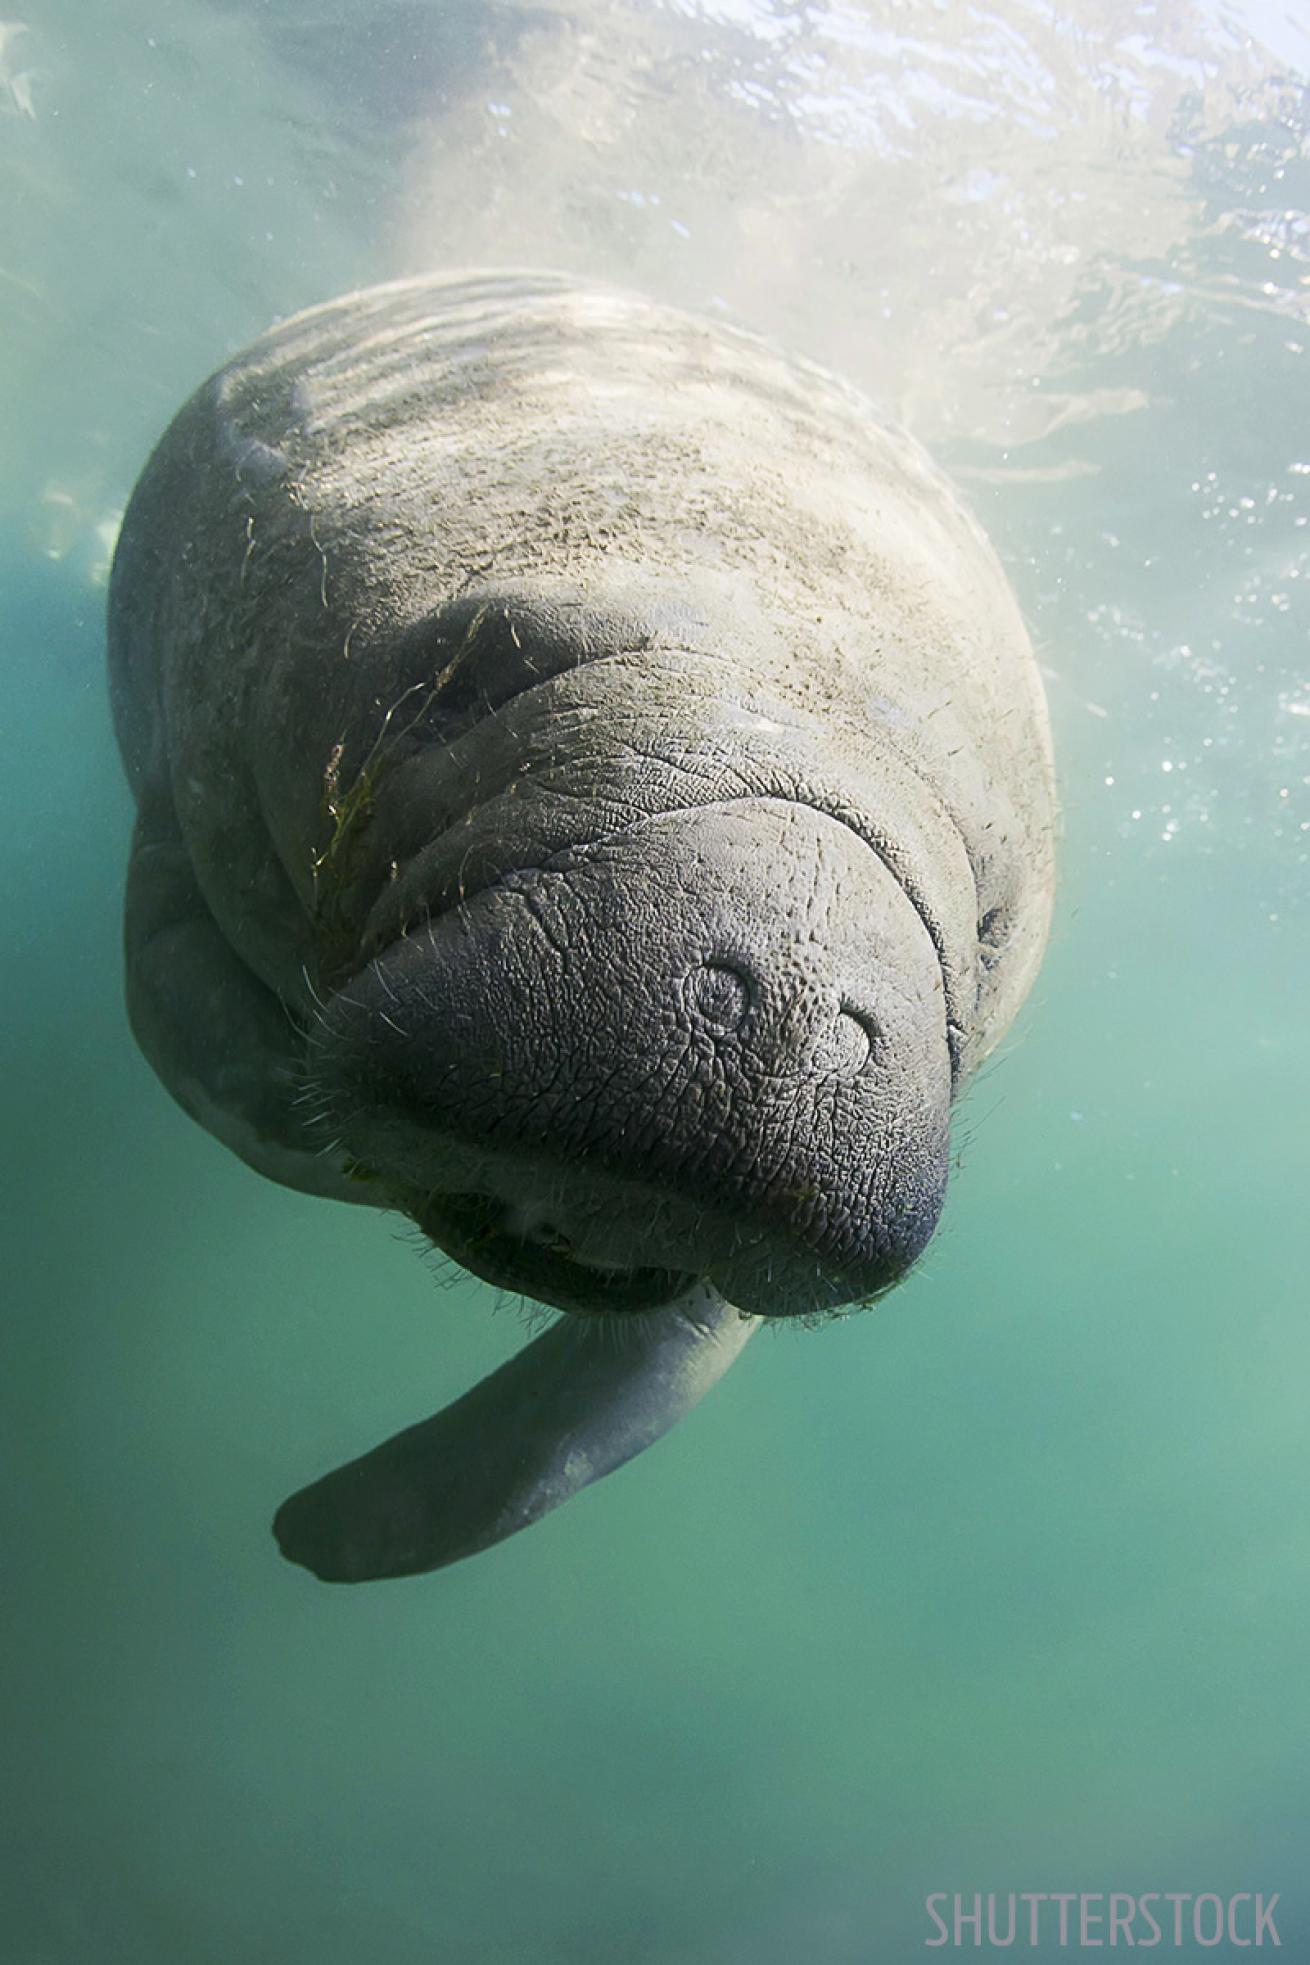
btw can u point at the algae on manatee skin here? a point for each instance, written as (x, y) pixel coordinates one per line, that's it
(345, 815)
(346, 811)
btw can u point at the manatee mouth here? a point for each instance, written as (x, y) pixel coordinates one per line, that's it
(475, 1230)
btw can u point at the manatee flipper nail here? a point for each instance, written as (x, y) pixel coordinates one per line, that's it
(569, 1408)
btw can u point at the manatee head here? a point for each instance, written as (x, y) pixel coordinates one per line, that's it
(672, 1064)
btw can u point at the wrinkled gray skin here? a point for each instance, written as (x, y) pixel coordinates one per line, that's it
(594, 796)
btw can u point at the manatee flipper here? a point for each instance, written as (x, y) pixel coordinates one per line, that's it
(569, 1408)
(219, 1039)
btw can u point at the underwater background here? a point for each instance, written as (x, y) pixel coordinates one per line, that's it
(1002, 1586)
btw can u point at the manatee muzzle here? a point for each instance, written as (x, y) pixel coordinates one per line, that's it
(672, 1081)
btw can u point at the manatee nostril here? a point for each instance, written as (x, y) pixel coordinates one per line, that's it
(719, 994)
(847, 1044)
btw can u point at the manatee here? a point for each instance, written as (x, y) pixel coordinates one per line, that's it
(595, 798)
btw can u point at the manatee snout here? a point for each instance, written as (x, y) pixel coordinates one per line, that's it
(710, 1046)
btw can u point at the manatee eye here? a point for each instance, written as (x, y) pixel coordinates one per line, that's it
(993, 933)
(718, 994)
(847, 1044)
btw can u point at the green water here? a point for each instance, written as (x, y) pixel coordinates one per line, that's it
(1005, 1586)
